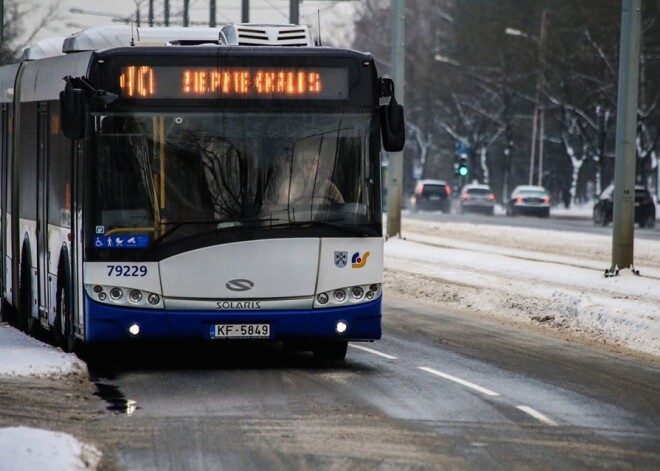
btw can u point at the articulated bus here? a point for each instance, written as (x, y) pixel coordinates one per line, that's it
(179, 183)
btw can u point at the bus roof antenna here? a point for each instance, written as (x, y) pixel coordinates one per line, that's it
(318, 19)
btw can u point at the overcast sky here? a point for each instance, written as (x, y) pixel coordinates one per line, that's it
(336, 16)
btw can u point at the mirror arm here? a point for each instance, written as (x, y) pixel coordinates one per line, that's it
(97, 96)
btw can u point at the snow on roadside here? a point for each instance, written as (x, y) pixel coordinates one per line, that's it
(550, 277)
(21, 355)
(25, 448)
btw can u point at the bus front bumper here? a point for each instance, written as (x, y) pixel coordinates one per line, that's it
(105, 323)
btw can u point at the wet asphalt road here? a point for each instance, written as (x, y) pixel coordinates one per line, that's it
(441, 390)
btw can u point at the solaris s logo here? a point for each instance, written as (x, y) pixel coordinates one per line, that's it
(240, 284)
(358, 261)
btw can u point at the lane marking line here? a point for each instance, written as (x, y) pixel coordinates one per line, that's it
(467, 384)
(537, 415)
(375, 352)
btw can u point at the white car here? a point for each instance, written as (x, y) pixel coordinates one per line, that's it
(529, 199)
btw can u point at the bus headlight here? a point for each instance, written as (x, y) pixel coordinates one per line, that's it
(134, 329)
(122, 296)
(116, 294)
(357, 292)
(340, 295)
(135, 296)
(348, 296)
(341, 327)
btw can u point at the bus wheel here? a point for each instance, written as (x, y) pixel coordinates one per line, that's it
(64, 330)
(26, 322)
(333, 351)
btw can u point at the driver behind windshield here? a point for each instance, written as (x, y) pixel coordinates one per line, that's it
(310, 179)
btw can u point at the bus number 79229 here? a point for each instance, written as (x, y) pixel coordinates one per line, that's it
(127, 270)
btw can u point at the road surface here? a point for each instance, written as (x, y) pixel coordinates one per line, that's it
(441, 390)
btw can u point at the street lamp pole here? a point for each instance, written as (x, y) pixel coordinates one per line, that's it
(623, 224)
(245, 11)
(541, 92)
(212, 6)
(538, 120)
(395, 159)
(294, 12)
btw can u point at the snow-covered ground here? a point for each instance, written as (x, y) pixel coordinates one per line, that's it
(530, 275)
(31, 449)
(526, 275)
(24, 448)
(24, 356)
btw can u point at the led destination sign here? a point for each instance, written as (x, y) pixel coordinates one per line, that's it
(319, 83)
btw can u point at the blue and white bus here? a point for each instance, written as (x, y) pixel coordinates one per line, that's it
(176, 183)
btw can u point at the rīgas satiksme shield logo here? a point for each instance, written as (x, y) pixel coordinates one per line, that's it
(341, 259)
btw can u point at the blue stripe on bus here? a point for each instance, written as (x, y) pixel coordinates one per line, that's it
(106, 323)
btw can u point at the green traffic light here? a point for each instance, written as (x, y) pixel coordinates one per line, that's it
(462, 170)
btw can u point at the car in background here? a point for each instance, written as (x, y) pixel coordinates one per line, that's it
(477, 198)
(431, 195)
(529, 199)
(644, 207)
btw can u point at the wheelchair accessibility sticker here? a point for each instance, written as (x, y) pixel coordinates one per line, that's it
(121, 241)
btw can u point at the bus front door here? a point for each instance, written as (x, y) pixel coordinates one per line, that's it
(42, 212)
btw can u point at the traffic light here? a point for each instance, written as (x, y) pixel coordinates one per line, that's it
(462, 166)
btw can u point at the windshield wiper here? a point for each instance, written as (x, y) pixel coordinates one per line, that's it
(176, 225)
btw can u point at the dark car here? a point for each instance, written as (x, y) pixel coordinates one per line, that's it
(529, 199)
(478, 198)
(644, 207)
(431, 195)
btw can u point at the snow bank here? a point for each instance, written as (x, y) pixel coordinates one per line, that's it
(550, 277)
(24, 448)
(21, 355)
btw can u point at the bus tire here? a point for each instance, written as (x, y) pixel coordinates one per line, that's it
(25, 321)
(331, 351)
(64, 327)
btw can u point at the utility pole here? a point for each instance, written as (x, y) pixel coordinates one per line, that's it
(623, 229)
(166, 12)
(542, 40)
(186, 13)
(294, 9)
(395, 167)
(245, 12)
(538, 121)
(212, 13)
(2, 20)
(151, 12)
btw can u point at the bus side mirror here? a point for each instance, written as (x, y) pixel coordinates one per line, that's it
(72, 111)
(392, 126)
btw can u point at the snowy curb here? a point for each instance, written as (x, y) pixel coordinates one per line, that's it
(24, 356)
(25, 448)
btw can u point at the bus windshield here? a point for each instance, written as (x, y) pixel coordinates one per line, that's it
(173, 176)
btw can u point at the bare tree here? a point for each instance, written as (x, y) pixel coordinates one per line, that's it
(16, 34)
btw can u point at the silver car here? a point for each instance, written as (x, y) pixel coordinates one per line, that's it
(529, 199)
(477, 198)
